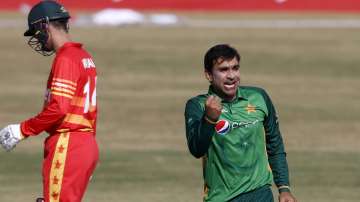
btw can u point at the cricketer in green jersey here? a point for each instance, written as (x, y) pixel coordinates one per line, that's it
(235, 130)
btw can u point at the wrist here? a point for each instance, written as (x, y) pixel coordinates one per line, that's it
(209, 120)
(16, 131)
(284, 188)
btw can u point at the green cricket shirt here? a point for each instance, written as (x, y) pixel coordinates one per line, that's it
(244, 150)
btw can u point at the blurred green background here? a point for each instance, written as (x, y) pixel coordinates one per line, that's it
(145, 76)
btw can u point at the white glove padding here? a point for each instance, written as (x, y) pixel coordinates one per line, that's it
(10, 136)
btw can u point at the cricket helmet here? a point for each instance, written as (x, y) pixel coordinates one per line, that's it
(45, 11)
(38, 21)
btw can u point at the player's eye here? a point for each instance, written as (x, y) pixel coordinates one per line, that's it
(236, 67)
(223, 69)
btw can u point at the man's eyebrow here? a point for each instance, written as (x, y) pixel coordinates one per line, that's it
(229, 66)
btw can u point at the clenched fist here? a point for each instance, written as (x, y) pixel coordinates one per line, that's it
(213, 108)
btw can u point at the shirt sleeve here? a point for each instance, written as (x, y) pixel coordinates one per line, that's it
(62, 89)
(198, 131)
(275, 147)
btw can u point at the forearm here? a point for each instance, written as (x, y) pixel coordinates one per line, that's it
(43, 121)
(277, 161)
(199, 137)
(279, 166)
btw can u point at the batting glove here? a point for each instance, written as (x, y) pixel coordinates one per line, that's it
(10, 136)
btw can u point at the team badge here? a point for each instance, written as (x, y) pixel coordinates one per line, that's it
(250, 108)
(222, 127)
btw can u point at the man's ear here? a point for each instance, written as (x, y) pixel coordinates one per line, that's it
(47, 27)
(208, 76)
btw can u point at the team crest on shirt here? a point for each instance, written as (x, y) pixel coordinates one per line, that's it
(222, 127)
(250, 108)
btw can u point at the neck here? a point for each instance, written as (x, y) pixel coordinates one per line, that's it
(60, 40)
(229, 99)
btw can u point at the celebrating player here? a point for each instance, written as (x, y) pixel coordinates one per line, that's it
(235, 130)
(69, 113)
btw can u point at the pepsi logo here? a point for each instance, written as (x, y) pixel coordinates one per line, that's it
(222, 127)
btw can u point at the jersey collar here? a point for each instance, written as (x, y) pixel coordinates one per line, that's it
(68, 45)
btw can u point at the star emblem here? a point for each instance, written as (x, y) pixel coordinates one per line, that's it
(55, 195)
(61, 149)
(55, 180)
(250, 108)
(57, 164)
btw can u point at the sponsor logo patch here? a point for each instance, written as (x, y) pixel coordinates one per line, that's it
(222, 127)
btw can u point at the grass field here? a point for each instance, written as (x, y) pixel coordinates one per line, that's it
(146, 74)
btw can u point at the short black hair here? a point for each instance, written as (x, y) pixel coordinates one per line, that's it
(224, 51)
(61, 24)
